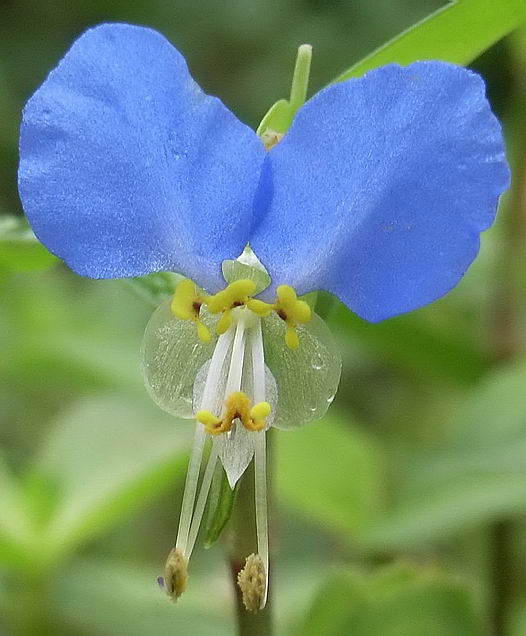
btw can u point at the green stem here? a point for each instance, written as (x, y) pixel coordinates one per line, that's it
(300, 79)
(243, 541)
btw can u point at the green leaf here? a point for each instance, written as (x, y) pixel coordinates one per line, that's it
(397, 600)
(457, 33)
(16, 529)
(220, 505)
(128, 601)
(108, 456)
(409, 342)
(477, 478)
(331, 473)
(19, 248)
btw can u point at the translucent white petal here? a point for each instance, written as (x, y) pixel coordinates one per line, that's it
(172, 354)
(307, 377)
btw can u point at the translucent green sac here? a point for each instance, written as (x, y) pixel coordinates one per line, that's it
(172, 355)
(246, 266)
(307, 377)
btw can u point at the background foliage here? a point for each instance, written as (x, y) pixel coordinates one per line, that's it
(413, 518)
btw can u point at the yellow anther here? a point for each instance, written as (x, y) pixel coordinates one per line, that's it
(186, 305)
(186, 301)
(291, 338)
(234, 295)
(258, 414)
(224, 322)
(293, 312)
(237, 406)
(260, 410)
(301, 312)
(286, 296)
(213, 425)
(260, 307)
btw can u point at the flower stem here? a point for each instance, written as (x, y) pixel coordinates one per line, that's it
(243, 542)
(300, 79)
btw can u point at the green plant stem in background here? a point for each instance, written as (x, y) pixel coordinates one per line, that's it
(505, 333)
(243, 541)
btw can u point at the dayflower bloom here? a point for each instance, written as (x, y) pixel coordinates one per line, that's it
(377, 194)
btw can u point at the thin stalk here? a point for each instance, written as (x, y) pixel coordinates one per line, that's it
(300, 79)
(260, 457)
(201, 500)
(192, 476)
(243, 541)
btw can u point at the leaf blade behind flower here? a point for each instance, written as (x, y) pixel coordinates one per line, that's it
(442, 35)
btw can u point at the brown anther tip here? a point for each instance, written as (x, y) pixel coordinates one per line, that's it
(252, 581)
(175, 574)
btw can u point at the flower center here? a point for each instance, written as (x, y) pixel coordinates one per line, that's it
(188, 300)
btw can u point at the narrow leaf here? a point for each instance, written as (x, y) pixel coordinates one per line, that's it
(457, 33)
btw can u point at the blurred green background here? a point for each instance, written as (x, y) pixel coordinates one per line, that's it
(413, 518)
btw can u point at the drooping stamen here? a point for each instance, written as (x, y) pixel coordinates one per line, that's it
(175, 574)
(209, 399)
(252, 582)
(233, 383)
(237, 407)
(260, 459)
(293, 311)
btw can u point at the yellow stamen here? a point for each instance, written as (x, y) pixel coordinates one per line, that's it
(187, 302)
(237, 406)
(260, 307)
(186, 305)
(224, 322)
(234, 295)
(293, 311)
(291, 338)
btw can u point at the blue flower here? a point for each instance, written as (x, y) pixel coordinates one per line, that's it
(378, 193)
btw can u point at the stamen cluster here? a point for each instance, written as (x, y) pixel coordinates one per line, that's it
(188, 300)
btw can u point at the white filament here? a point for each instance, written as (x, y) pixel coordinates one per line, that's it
(234, 340)
(192, 476)
(260, 461)
(201, 500)
(233, 384)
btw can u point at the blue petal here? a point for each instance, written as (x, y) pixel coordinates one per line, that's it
(381, 187)
(127, 167)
